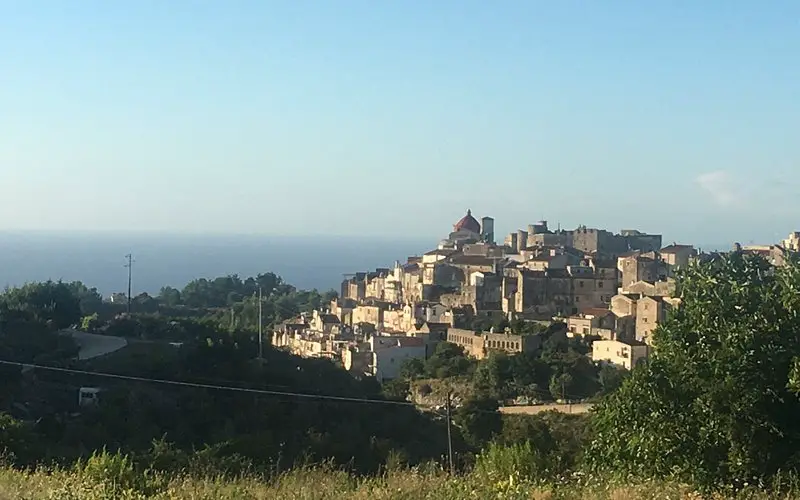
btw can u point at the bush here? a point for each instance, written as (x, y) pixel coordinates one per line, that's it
(522, 461)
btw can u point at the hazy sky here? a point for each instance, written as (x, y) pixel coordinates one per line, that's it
(394, 117)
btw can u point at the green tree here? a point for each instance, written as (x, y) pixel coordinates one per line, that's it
(493, 375)
(412, 368)
(479, 420)
(52, 302)
(448, 360)
(562, 386)
(169, 296)
(713, 404)
(90, 299)
(611, 378)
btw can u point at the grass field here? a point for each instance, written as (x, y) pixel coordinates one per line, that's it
(326, 484)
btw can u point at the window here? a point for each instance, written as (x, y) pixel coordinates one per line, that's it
(599, 284)
(577, 299)
(580, 284)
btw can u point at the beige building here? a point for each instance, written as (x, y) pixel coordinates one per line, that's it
(343, 309)
(792, 243)
(547, 261)
(372, 314)
(623, 354)
(774, 254)
(623, 305)
(470, 341)
(661, 288)
(594, 322)
(478, 345)
(651, 312)
(678, 256)
(325, 323)
(637, 266)
(308, 346)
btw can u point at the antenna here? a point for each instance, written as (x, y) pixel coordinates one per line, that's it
(260, 322)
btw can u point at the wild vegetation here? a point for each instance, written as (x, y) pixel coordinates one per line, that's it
(713, 412)
(561, 370)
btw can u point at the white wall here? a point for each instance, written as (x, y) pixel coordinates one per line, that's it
(387, 362)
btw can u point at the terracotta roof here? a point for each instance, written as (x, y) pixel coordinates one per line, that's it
(467, 223)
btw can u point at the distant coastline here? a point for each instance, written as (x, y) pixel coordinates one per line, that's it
(172, 259)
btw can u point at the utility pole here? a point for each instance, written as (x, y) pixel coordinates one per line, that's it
(564, 397)
(449, 436)
(260, 322)
(129, 265)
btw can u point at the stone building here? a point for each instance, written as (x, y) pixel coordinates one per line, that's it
(774, 254)
(587, 240)
(677, 256)
(638, 266)
(792, 243)
(623, 305)
(369, 313)
(651, 312)
(478, 345)
(328, 324)
(592, 322)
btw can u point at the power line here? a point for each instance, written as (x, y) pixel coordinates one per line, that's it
(208, 386)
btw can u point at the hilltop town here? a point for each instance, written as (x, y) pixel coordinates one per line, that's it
(610, 289)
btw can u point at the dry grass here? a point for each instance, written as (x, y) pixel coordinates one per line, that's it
(327, 484)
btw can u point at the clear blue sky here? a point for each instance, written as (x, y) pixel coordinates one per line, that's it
(394, 117)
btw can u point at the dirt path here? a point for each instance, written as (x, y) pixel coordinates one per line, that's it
(532, 410)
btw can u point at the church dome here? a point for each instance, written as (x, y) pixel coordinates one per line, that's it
(468, 223)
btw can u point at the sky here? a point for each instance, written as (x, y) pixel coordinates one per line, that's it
(392, 118)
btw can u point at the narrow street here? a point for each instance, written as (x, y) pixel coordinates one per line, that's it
(92, 345)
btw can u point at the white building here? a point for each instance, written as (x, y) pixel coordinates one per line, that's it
(390, 352)
(623, 354)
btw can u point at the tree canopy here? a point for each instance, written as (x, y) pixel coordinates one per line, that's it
(55, 303)
(715, 402)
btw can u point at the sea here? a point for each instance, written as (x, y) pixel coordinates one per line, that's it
(98, 259)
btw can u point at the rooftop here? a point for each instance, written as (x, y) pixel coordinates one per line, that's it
(595, 311)
(676, 248)
(467, 223)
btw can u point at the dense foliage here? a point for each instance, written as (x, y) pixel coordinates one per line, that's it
(715, 402)
(561, 370)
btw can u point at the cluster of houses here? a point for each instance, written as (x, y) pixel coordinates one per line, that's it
(613, 288)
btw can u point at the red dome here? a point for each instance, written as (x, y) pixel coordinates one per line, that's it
(468, 223)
